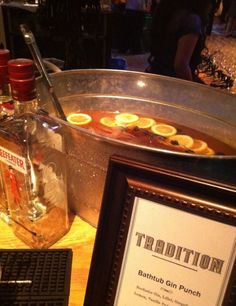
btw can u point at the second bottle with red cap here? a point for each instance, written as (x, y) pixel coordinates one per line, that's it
(6, 103)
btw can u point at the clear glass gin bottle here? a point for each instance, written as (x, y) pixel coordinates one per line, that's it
(33, 164)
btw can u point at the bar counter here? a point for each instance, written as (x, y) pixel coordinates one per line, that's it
(80, 239)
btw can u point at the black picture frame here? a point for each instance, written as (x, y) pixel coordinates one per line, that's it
(128, 180)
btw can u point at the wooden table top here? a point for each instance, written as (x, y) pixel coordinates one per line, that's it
(80, 239)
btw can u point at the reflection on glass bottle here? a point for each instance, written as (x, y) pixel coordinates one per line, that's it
(15, 187)
(33, 164)
(4, 211)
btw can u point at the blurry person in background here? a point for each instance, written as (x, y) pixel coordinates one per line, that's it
(178, 37)
(134, 17)
(225, 9)
(215, 7)
(117, 21)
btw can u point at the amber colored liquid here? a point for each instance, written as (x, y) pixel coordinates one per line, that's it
(146, 137)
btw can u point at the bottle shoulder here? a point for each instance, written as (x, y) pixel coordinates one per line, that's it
(12, 134)
(28, 128)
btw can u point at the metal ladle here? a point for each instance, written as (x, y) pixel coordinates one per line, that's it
(34, 50)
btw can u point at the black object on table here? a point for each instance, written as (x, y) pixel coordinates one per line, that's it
(35, 277)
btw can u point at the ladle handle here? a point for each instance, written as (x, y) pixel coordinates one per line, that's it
(34, 50)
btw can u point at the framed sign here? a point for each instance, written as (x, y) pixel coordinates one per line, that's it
(163, 238)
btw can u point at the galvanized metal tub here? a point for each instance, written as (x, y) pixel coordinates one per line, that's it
(197, 106)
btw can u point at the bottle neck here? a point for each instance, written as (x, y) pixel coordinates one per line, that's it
(29, 106)
(4, 92)
(4, 83)
(6, 103)
(24, 95)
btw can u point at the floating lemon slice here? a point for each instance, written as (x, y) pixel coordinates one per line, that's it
(164, 130)
(209, 151)
(126, 118)
(144, 122)
(108, 121)
(199, 146)
(183, 140)
(79, 118)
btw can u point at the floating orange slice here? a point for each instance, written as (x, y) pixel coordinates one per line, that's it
(164, 130)
(183, 140)
(144, 122)
(209, 151)
(126, 118)
(108, 121)
(199, 146)
(79, 118)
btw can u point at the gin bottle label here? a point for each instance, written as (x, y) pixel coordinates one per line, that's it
(13, 160)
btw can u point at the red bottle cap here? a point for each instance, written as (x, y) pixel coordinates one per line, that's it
(22, 79)
(4, 56)
(23, 90)
(20, 69)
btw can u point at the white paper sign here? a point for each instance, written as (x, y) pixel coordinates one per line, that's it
(174, 258)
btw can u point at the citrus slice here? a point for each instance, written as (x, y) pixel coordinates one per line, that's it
(108, 121)
(183, 140)
(209, 151)
(144, 122)
(164, 130)
(79, 118)
(199, 146)
(126, 118)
